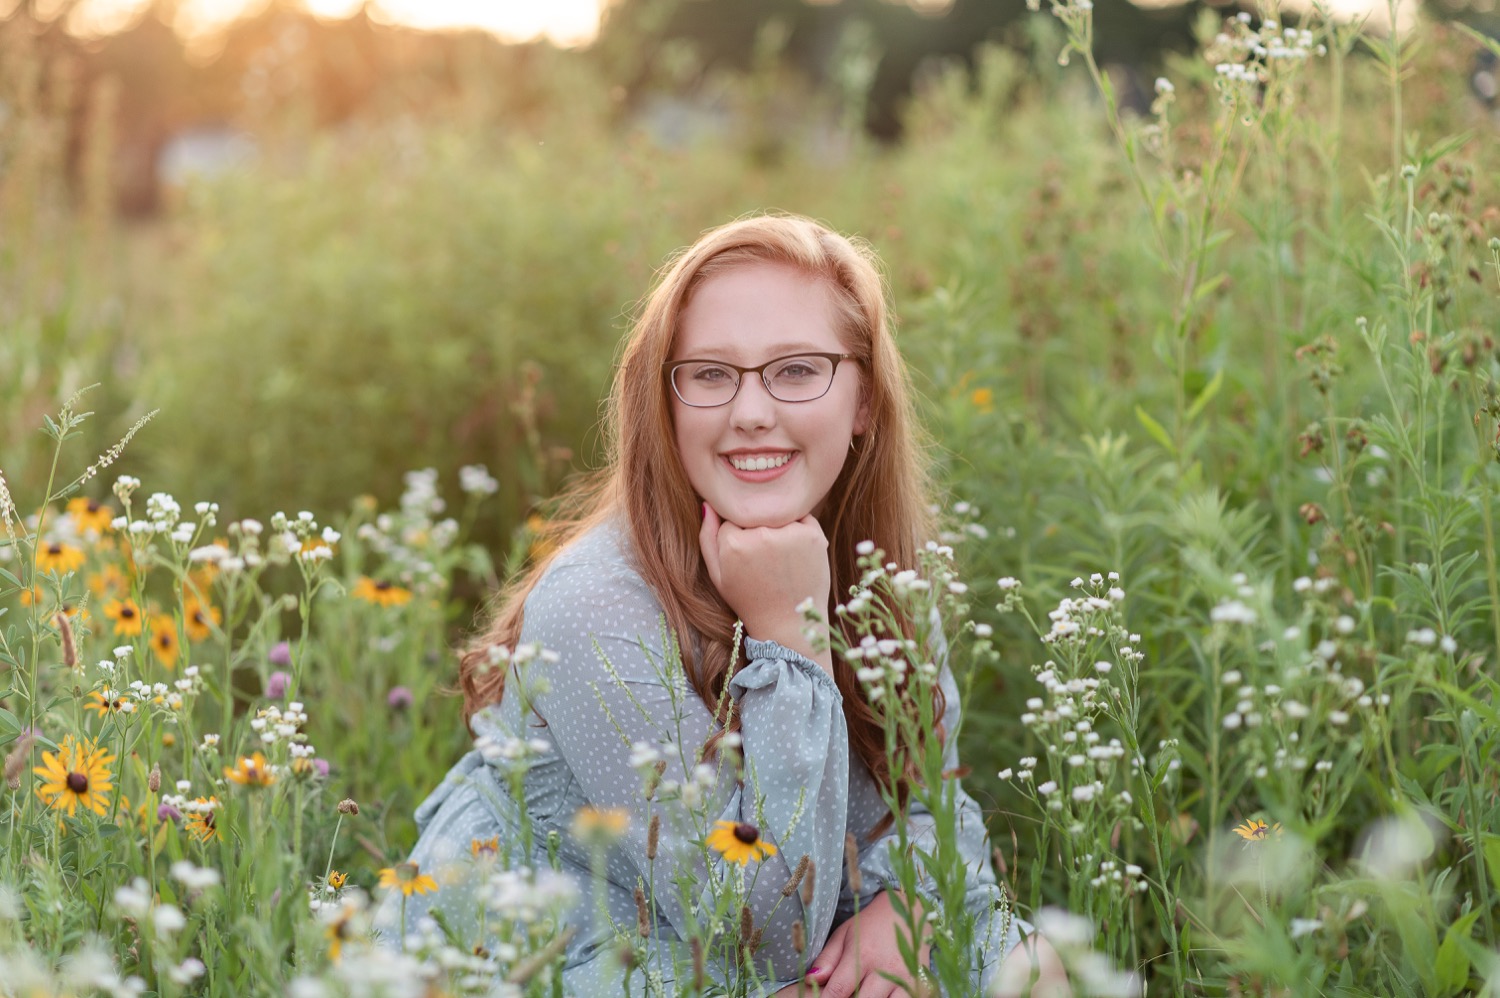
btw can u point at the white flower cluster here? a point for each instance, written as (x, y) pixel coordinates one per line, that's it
(276, 725)
(1128, 877)
(510, 749)
(194, 878)
(1091, 972)
(1241, 52)
(168, 698)
(1078, 620)
(301, 538)
(86, 970)
(246, 534)
(125, 487)
(187, 805)
(644, 755)
(476, 480)
(693, 790)
(526, 896)
(409, 537)
(134, 901)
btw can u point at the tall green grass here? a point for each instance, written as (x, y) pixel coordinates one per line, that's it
(1239, 350)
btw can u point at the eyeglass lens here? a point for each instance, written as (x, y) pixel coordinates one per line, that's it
(790, 379)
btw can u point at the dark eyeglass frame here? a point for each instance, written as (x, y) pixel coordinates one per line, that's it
(670, 367)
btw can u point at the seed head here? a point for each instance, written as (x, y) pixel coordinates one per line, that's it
(799, 937)
(642, 915)
(791, 885)
(653, 833)
(65, 632)
(807, 883)
(347, 806)
(695, 946)
(153, 782)
(851, 860)
(15, 762)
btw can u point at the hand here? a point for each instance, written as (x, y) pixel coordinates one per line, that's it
(763, 573)
(1032, 969)
(875, 944)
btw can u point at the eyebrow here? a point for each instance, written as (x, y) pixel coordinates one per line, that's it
(773, 351)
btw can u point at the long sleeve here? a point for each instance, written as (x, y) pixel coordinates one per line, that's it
(612, 687)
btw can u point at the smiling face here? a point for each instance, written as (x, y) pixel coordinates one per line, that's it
(758, 461)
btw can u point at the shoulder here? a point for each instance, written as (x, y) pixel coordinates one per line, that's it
(595, 571)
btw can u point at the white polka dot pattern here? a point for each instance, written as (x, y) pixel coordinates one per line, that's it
(611, 689)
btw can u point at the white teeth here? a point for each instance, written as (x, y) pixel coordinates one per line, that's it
(759, 463)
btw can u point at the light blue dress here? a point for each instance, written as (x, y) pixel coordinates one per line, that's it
(591, 606)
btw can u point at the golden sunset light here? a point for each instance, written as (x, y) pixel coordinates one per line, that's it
(563, 22)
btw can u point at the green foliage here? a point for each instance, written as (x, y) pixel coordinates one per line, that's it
(1238, 349)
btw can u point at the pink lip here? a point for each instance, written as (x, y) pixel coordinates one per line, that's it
(770, 474)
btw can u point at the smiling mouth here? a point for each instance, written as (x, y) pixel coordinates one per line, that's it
(759, 462)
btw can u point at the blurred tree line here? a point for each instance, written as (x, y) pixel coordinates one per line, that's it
(867, 51)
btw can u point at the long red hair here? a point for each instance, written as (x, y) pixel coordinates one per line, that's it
(882, 494)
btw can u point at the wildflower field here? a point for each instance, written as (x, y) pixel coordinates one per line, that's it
(1212, 386)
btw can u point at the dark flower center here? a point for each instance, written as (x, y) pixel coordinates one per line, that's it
(54, 548)
(746, 833)
(382, 586)
(93, 506)
(78, 783)
(208, 821)
(127, 612)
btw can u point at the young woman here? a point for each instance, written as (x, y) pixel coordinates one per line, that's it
(759, 428)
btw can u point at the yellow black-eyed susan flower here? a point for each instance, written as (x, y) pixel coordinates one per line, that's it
(485, 848)
(78, 773)
(108, 581)
(108, 702)
(200, 822)
(739, 842)
(91, 515)
(592, 824)
(55, 556)
(1253, 830)
(251, 771)
(337, 880)
(381, 593)
(983, 399)
(408, 879)
(338, 930)
(127, 617)
(164, 639)
(199, 619)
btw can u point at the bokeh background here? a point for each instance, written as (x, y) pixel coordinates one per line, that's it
(330, 243)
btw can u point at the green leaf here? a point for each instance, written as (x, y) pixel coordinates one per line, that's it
(1157, 431)
(1481, 38)
(1209, 286)
(1206, 396)
(1492, 858)
(1452, 966)
(9, 722)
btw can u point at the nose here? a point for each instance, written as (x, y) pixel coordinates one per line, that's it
(753, 407)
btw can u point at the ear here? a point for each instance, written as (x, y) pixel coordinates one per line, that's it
(862, 418)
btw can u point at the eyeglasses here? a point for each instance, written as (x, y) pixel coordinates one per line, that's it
(801, 377)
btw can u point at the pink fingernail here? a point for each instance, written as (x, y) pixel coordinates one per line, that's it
(813, 971)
